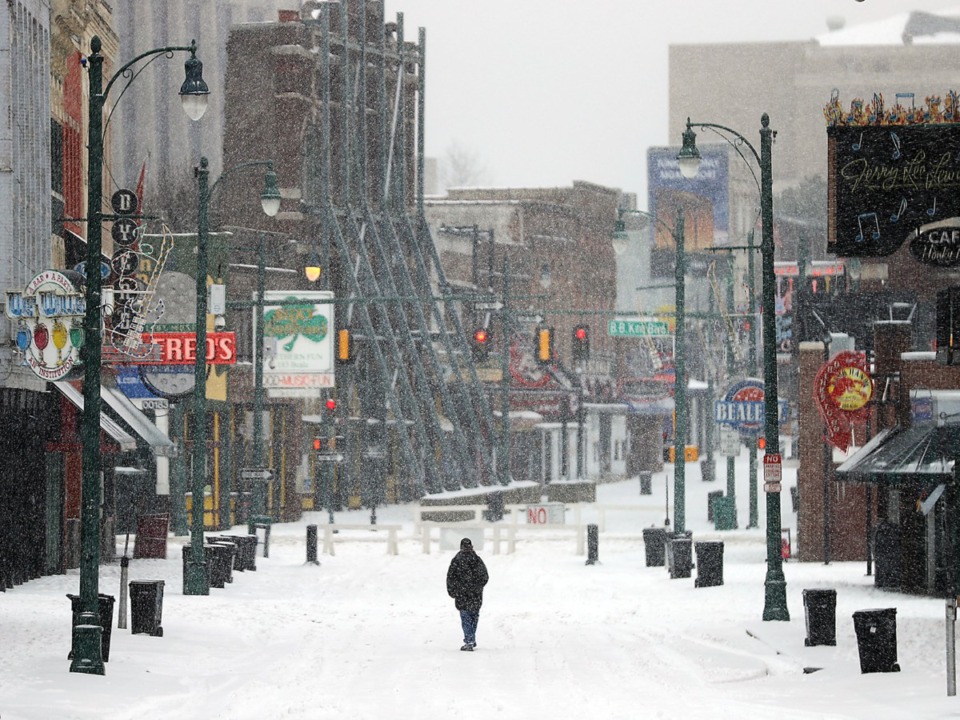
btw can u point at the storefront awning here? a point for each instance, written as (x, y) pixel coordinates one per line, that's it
(919, 454)
(142, 425)
(107, 424)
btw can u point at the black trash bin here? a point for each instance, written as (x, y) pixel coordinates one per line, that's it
(246, 557)
(654, 539)
(679, 554)
(105, 607)
(877, 639)
(646, 482)
(709, 564)
(146, 607)
(494, 511)
(820, 612)
(219, 561)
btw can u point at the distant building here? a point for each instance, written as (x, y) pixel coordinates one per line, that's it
(151, 126)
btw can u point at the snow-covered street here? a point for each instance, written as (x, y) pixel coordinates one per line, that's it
(370, 635)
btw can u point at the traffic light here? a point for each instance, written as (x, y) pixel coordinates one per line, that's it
(331, 405)
(344, 346)
(543, 345)
(480, 344)
(581, 345)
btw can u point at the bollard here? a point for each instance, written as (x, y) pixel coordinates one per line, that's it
(124, 571)
(593, 544)
(312, 545)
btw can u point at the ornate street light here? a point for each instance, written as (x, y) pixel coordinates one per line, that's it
(86, 640)
(620, 243)
(195, 579)
(775, 586)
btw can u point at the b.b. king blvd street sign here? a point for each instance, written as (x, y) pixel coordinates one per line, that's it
(637, 327)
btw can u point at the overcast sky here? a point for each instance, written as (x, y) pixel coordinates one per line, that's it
(545, 92)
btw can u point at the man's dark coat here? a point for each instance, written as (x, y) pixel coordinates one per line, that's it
(465, 580)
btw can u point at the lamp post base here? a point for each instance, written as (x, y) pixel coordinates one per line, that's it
(195, 579)
(87, 650)
(775, 600)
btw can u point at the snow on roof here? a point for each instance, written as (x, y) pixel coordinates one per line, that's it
(891, 31)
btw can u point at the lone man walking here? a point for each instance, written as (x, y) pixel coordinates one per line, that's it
(465, 580)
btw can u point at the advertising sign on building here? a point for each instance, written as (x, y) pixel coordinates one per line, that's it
(892, 179)
(705, 201)
(48, 317)
(743, 407)
(299, 336)
(842, 389)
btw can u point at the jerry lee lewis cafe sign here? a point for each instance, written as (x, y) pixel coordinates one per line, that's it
(895, 183)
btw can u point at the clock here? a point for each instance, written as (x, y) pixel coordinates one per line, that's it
(168, 381)
(177, 295)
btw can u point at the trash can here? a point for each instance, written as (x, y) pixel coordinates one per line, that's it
(246, 557)
(679, 554)
(712, 497)
(724, 513)
(220, 563)
(709, 564)
(494, 511)
(105, 608)
(146, 607)
(886, 551)
(654, 539)
(820, 612)
(646, 482)
(877, 639)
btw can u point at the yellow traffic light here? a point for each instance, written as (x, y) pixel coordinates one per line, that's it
(544, 345)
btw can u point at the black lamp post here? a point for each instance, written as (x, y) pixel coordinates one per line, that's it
(86, 647)
(195, 580)
(620, 243)
(775, 586)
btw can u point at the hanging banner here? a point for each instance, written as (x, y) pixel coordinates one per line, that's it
(842, 389)
(298, 343)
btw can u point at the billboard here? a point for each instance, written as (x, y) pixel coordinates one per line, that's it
(298, 342)
(705, 199)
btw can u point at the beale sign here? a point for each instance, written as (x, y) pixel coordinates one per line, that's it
(744, 407)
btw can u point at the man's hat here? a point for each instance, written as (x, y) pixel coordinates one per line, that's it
(465, 544)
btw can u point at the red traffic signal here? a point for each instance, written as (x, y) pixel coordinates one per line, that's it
(331, 404)
(581, 345)
(480, 344)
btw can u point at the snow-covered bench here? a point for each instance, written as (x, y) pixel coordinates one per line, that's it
(329, 530)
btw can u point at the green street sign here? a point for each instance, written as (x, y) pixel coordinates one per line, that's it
(637, 327)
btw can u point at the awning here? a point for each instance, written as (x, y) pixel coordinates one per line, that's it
(107, 424)
(140, 423)
(918, 454)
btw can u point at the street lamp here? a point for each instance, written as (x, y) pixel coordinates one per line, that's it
(620, 243)
(775, 585)
(86, 638)
(195, 581)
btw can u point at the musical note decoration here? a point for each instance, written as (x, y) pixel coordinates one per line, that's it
(875, 233)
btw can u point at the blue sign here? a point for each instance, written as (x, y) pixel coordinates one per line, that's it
(130, 384)
(744, 407)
